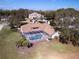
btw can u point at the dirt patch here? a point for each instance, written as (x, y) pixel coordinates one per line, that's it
(42, 50)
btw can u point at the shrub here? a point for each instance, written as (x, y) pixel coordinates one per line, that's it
(22, 42)
(49, 38)
(70, 36)
(56, 37)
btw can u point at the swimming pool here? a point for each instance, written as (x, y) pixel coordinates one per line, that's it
(35, 35)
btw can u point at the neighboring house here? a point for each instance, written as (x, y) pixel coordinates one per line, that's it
(3, 25)
(3, 19)
(35, 17)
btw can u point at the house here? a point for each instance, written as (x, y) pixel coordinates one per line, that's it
(35, 32)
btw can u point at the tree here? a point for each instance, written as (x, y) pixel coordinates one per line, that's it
(65, 35)
(14, 22)
(75, 38)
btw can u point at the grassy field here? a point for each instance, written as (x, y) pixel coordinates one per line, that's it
(8, 48)
(7, 44)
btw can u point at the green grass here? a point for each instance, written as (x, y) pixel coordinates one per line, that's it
(64, 48)
(7, 44)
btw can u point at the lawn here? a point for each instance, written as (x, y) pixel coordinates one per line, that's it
(44, 50)
(8, 40)
(64, 48)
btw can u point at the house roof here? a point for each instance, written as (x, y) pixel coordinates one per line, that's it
(37, 26)
(35, 15)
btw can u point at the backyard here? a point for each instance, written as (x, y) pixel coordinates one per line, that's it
(42, 50)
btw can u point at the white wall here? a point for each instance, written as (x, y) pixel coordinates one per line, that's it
(56, 34)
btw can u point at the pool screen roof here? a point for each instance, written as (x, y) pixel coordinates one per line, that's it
(35, 32)
(28, 28)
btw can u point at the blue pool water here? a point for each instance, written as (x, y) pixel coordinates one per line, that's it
(35, 35)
